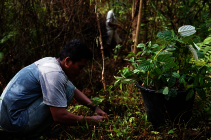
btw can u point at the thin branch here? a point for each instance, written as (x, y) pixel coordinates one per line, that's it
(102, 50)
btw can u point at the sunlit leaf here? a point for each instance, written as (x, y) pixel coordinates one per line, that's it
(200, 63)
(140, 45)
(126, 80)
(116, 82)
(120, 86)
(138, 53)
(186, 30)
(118, 78)
(171, 131)
(166, 91)
(155, 46)
(155, 132)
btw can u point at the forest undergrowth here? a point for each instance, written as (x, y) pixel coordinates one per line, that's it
(127, 118)
(31, 30)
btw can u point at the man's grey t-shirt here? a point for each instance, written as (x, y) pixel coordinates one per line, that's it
(44, 78)
(53, 82)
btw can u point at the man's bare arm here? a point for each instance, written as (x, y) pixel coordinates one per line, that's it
(61, 115)
(114, 24)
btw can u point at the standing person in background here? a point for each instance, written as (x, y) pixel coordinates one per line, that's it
(38, 95)
(111, 27)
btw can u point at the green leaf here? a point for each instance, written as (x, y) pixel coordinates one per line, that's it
(160, 91)
(120, 86)
(190, 94)
(8, 36)
(132, 59)
(171, 131)
(149, 44)
(182, 80)
(186, 39)
(116, 82)
(206, 49)
(173, 92)
(140, 45)
(170, 49)
(176, 75)
(179, 40)
(145, 65)
(157, 70)
(190, 86)
(166, 91)
(165, 35)
(207, 40)
(155, 132)
(155, 46)
(201, 93)
(126, 81)
(171, 82)
(1, 56)
(138, 53)
(118, 78)
(161, 41)
(164, 58)
(136, 71)
(200, 54)
(168, 61)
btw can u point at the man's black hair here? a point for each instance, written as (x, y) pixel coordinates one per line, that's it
(76, 50)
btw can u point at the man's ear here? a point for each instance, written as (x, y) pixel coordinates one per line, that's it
(67, 61)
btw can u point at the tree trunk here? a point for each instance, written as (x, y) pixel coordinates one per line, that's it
(138, 27)
(136, 21)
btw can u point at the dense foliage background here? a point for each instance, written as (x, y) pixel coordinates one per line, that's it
(34, 29)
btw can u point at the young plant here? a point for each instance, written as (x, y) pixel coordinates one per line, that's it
(176, 65)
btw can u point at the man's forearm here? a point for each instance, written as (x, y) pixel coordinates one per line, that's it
(113, 24)
(61, 115)
(72, 119)
(83, 99)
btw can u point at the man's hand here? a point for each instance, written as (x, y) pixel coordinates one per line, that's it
(97, 118)
(98, 111)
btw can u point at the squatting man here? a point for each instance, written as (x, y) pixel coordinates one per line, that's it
(38, 95)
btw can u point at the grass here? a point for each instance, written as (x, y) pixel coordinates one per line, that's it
(128, 120)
